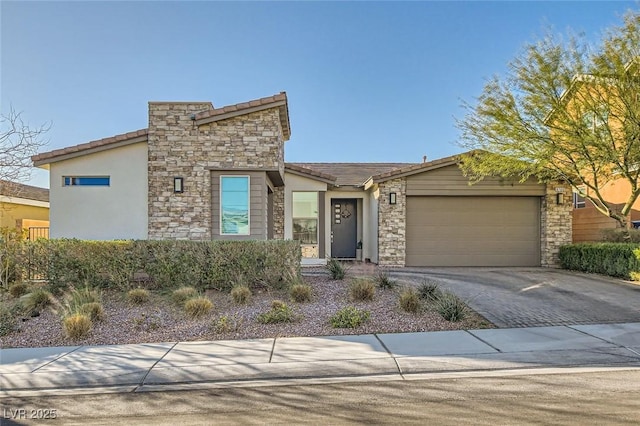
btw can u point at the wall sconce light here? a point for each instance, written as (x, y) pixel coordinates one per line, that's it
(392, 198)
(177, 185)
(560, 198)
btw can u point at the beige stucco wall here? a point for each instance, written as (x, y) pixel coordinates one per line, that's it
(118, 211)
(370, 243)
(11, 213)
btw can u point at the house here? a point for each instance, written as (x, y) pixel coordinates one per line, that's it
(24, 207)
(199, 172)
(607, 107)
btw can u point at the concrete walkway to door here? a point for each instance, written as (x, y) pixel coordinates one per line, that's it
(529, 297)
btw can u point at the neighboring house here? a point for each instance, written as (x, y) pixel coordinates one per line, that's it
(199, 172)
(588, 222)
(24, 207)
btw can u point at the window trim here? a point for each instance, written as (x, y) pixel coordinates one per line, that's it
(248, 204)
(70, 180)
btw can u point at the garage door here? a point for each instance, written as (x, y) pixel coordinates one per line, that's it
(473, 231)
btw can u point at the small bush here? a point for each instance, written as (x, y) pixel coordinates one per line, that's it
(183, 294)
(618, 235)
(383, 280)
(349, 317)
(226, 324)
(7, 320)
(409, 300)
(336, 269)
(451, 308)
(279, 312)
(138, 296)
(241, 294)
(74, 302)
(77, 326)
(37, 300)
(361, 290)
(613, 259)
(300, 293)
(93, 310)
(18, 289)
(198, 307)
(429, 290)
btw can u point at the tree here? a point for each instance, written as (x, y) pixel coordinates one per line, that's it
(18, 142)
(565, 110)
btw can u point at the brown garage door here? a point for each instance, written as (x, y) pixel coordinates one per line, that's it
(473, 231)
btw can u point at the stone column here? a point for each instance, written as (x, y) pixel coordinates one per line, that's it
(555, 222)
(392, 223)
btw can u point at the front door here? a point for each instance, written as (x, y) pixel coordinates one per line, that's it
(344, 231)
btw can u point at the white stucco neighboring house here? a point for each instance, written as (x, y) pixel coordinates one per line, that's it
(199, 172)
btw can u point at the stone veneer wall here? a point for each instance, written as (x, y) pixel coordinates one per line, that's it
(555, 223)
(392, 223)
(278, 213)
(177, 147)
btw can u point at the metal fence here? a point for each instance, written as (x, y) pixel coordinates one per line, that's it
(36, 232)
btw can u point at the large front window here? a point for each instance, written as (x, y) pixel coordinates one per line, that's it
(234, 205)
(305, 222)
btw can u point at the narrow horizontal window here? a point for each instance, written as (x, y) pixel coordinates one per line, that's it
(86, 181)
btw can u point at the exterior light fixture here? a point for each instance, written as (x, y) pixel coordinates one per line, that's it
(560, 198)
(178, 185)
(392, 198)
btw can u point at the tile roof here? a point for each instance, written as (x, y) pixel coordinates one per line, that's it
(279, 100)
(48, 157)
(416, 168)
(20, 190)
(290, 167)
(351, 174)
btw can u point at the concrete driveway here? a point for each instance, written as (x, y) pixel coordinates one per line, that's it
(529, 297)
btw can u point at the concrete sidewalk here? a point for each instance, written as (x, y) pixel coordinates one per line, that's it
(403, 356)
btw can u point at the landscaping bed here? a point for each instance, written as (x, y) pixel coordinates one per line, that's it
(162, 319)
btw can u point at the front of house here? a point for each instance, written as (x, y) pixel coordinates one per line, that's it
(199, 172)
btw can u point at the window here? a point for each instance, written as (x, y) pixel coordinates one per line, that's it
(234, 205)
(86, 181)
(594, 120)
(578, 200)
(305, 217)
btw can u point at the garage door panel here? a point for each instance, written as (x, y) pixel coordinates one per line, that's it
(473, 231)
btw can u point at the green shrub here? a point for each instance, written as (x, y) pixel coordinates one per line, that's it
(336, 269)
(77, 326)
(613, 259)
(226, 324)
(183, 294)
(198, 307)
(429, 290)
(383, 280)
(279, 312)
(349, 317)
(37, 300)
(7, 320)
(451, 308)
(409, 300)
(93, 310)
(300, 293)
(618, 235)
(18, 289)
(241, 294)
(138, 296)
(361, 290)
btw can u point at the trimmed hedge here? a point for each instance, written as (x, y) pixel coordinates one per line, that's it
(613, 259)
(169, 264)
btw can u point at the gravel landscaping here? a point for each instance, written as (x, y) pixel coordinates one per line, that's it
(161, 320)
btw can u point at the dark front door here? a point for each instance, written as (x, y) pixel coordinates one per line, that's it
(344, 232)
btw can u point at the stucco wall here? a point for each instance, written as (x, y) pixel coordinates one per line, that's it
(370, 243)
(11, 213)
(118, 211)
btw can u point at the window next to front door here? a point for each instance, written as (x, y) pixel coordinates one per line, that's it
(305, 222)
(234, 205)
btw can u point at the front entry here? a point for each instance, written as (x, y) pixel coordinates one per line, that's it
(344, 228)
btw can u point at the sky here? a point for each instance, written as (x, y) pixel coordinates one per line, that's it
(365, 81)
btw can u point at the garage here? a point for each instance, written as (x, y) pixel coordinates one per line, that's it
(473, 231)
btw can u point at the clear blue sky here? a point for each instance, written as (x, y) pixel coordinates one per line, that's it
(366, 81)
